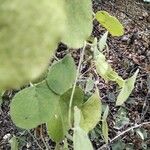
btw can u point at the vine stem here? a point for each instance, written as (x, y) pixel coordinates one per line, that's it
(122, 133)
(75, 83)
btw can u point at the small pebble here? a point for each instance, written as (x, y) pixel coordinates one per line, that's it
(7, 136)
(125, 38)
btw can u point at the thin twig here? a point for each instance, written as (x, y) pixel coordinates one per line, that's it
(122, 133)
(75, 83)
(145, 105)
(35, 140)
(87, 70)
(43, 140)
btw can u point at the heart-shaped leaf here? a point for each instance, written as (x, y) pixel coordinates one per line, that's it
(58, 125)
(33, 106)
(91, 112)
(61, 75)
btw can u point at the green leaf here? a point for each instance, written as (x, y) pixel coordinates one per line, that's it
(105, 130)
(121, 118)
(55, 127)
(102, 41)
(105, 70)
(105, 113)
(33, 106)
(118, 145)
(111, 23)
(1, 95)
(79, 22)
(77, 97)
(127, 89)
(14, 143)
(89, 85)
(80, 137)
(77, 101)
(29, 33)
(91, 112)
(61, 75)
(58, 125)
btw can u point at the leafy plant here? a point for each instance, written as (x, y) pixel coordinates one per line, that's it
(33, 31)
(58, 125)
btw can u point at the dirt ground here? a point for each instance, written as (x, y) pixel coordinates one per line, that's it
(126, 54)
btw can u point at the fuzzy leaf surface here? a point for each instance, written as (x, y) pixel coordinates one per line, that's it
(28, 38)
(79, 22)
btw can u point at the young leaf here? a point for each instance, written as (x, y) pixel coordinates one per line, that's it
(111, 23)
(30, 27)
(105, 70)
(14, 143)
(91, 112)
(77, 97)
(102, 41)
(127, 89)
(121, 118)
(58, 125)
(55, 127)
(105, 113)
(33, 106)
(80, 137)
(79, 22)
(61, 75)
(89, 85)
(105, 130)
(65, 100)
